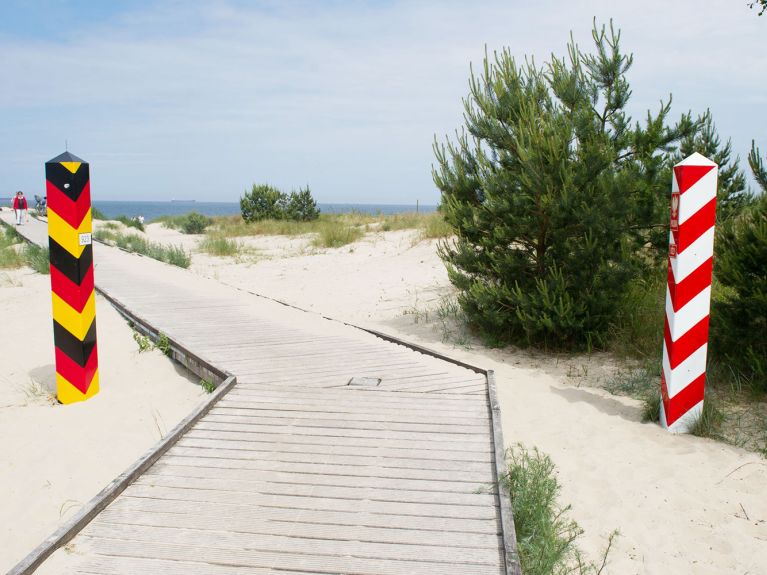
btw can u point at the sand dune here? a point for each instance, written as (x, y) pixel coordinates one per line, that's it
(682, 504)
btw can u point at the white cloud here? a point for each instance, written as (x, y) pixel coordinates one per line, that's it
(344, 96)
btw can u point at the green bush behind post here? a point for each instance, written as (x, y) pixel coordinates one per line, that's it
(553, 194)
(264, 202)
(739, 314)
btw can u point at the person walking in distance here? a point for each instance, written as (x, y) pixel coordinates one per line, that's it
(20, 207)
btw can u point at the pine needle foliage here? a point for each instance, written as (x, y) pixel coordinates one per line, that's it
(739, 316)
(553, 194)
(732, 193)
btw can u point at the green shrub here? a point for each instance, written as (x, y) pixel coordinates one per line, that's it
(97, 214)
(739, 312)
(263, 202)
(546, 536)
(552, 191)
(301, 206)
(636, 330)
(194, 223)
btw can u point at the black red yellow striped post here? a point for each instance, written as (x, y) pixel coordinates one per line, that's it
(73, 290)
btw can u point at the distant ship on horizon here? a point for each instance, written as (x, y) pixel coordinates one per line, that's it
(184, 201)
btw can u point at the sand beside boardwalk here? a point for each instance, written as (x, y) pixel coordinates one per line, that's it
(54, 458)
(682, 504)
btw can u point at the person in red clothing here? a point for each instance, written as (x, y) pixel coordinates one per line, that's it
(20, 207)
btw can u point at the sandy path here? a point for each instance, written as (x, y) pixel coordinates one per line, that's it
(53, 459)
(682, 504)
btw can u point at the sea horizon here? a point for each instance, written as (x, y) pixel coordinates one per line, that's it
(151, 210)
(155, 209)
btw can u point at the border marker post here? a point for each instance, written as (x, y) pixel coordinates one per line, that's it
(688, 293)
(72, 286)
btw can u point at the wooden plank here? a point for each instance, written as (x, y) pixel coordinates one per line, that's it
(329, 469)
(317, 502)
(443, 465)
(112, 565)
(425, 456)
(224, 540)
(351, 492)
(287, 561)
(301, 529)
(475, 429)
(412, 444)
(260, 514)
(398, 417)
(464, 439)
(287, 478)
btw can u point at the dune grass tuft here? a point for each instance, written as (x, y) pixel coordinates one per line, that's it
(37, 258)
(173, 255)
(335, 235)
(14, 254)
(130, 222)
(709, 423)
(219, 246)
(546, 536)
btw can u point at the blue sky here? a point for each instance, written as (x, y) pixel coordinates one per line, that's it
(199, 99)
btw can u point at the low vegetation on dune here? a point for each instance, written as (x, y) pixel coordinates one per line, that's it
(547, 538)
(219, 246)
(134, 243)
(14, 253)
(191, 223)
(333, 230)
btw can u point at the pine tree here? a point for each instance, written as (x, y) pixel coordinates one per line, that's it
(301, 206)
(552, 194)
(263, 202)
(732, 193)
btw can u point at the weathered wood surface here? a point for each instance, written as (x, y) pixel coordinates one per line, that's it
(294, 470)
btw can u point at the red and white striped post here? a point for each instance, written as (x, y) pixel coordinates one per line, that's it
(688, 295)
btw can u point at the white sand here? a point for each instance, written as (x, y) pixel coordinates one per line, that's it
(682, 504)
(53, 459)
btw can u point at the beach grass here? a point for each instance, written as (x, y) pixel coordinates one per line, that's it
(336, 235)
(546, 535)
(129, 222)
(219, 246)
(37, 258)
(14, 254)
(191, 223)
(134, 243)
(330, 230)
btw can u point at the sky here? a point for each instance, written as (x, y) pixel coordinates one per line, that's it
(199, 99)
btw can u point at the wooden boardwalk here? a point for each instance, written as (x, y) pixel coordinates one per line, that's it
(294, 470)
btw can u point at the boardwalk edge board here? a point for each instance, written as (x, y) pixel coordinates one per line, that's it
(68, 530)
(511, 557)
(192, 361)
(98, 503)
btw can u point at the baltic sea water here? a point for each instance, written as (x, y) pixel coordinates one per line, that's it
(152, 210)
